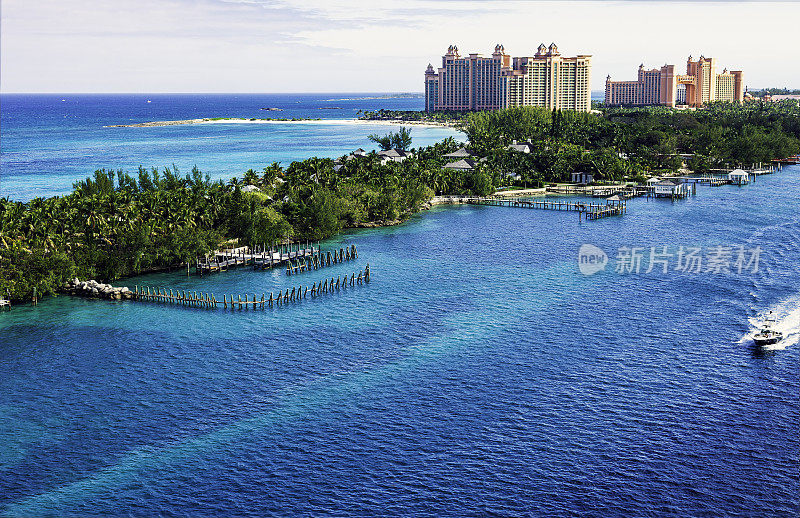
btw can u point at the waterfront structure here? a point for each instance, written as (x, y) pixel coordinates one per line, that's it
(700, 85)
(475, 82)
(669, 189)
(738, 177)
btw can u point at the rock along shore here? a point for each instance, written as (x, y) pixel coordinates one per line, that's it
(96, 290)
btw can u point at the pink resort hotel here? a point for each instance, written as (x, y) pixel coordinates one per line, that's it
(474, 82)
(700, 85)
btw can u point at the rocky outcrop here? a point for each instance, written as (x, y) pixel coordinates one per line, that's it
(378, 224)
(97, 290)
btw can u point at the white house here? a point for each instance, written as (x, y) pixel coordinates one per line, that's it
(524, 147)
(393, 155)
(339, 162)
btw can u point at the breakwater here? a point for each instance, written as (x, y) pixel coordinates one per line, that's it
(210, 301)
(97, 290)
(321, 260)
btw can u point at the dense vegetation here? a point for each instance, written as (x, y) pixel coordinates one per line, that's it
(629, 143)
(774, 91)
(444, 117)
(116, 224)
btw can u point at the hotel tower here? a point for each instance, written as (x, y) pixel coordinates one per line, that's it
(474, 82)
(700, 85)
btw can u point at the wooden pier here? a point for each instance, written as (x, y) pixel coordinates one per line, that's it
(209, 301)
(754, 169)
(623, 192)
(296, 258)
(711, 180)
(592, 211)
(320, 260)
(792, 160)
(599, 191)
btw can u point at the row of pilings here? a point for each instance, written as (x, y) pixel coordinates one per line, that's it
(210, 301)
(320, 260)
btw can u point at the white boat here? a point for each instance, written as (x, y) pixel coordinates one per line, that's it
(767, 335)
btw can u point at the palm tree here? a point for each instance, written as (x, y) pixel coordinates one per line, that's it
(250, 177)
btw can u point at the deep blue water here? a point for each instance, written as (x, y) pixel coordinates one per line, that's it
(479, 373)
(50, 141)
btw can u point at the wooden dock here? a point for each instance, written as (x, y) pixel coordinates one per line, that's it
(599, 191)
(209, 301)
(592, 211)
(318, 260)
(624, 193)
(792, 160)
(296, 258)
(711, 180)
(754, 169)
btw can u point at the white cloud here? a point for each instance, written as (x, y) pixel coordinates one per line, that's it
(350, 45)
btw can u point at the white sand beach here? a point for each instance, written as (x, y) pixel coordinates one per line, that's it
(358, 122)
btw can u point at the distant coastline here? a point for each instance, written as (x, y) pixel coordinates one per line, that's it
(241, 120)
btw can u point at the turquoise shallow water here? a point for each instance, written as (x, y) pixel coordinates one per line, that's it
(50, 141)
(478, 373)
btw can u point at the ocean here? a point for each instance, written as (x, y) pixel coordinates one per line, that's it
(48, 142)
(485, 370)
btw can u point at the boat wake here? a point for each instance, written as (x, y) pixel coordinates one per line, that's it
(787, 320)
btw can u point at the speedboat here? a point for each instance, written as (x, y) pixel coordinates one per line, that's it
(767, 335)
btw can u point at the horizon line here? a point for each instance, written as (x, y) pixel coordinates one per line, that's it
(380, 92)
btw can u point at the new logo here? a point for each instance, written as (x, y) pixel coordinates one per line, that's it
(591, 259)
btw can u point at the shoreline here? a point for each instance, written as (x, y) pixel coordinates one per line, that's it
(401, 122)
(109, 291)
(455, 199)
(234, 120)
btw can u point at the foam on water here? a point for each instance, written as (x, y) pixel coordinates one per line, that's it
(787, 320)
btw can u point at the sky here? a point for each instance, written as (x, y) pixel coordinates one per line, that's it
(265, 46)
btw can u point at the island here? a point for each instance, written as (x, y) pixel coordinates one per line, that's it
(117, 224)
(208, 120)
